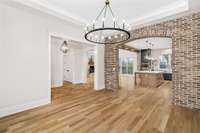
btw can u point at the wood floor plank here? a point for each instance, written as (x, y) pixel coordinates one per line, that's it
(80, 109)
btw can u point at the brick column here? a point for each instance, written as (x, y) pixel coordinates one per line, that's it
(111, 66)
(186, 61)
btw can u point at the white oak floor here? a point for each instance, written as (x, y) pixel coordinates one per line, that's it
(79, 109)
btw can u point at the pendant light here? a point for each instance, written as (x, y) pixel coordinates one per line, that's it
(64, 47)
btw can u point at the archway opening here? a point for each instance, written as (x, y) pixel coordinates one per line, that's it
(148, 65)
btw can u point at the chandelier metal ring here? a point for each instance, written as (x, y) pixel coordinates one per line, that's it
(126, 35)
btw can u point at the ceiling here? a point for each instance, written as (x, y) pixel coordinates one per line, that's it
(88, 9)
(158, 43)
(84, 11)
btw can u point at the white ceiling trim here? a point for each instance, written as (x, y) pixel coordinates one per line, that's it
(174, 8)
(53, 11)
(169, 10)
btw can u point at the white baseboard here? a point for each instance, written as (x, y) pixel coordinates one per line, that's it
(57, 85)
(19, 108)
(99, 88)
(77, 82)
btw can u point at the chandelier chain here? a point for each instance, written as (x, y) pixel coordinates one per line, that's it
(100, 13)
(105, 12)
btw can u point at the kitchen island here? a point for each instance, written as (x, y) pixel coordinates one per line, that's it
(149, 79)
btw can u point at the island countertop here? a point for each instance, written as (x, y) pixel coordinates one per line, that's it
(149, 72)
(149, 78)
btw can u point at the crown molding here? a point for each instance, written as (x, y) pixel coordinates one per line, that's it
(52, 10)
(161, 14)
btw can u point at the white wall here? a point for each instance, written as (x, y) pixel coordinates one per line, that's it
(128, 54)
(77, 61)
(99, 80)
(24, 54)
(56, 62)
(84, 66)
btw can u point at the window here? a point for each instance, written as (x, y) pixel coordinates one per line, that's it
(126, 65)
(165, 61)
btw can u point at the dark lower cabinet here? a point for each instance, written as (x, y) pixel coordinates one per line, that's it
(167, 76)
(91, 69)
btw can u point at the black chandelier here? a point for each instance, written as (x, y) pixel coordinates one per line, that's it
(108, 30)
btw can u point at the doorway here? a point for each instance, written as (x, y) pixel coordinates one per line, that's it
(69, 70)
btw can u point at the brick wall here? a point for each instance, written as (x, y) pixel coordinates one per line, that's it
(111, 66)
(185, 34)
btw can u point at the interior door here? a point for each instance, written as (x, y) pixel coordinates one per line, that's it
(67, 68)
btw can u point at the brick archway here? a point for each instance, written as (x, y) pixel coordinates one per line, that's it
(185, 34)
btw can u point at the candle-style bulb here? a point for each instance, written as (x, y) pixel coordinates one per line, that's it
(93, 24)
(123, 23)
(114, 22)
(103, 22)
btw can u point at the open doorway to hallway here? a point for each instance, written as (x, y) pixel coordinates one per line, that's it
(74, 68)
